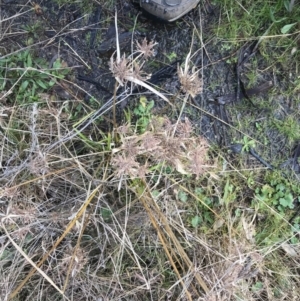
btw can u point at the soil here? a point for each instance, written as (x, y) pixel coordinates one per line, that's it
(83, 36)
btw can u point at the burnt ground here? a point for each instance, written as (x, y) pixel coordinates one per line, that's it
(83, 36)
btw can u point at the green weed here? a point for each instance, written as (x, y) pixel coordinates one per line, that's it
(26, 77)
(289, 127)
(275, 200)
(143, 114)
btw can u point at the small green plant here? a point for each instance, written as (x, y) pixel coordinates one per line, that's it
(182, 196)
(27, 76)
(143, 113)
(196, 221)
(230, 194)
(289, 127)
(257, 286)
(171, 56)
(204, 207)
(278, 194)
(34, 29)
(275, 201)
(247, 144)
(226, 46)
(287, 27)
(106, 214)
(295, 229)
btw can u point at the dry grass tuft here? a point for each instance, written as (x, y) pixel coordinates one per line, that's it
(160, 146)
(190, 81)
(119, 223)
(146, 49)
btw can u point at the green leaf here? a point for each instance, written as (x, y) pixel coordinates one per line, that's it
(296, 228)
(208, 217)
(33, 88)
(273, 17)
(29, 41)
(23, 86)
(285, 29)
(57, 64)
(287, 201)
(294, 240)
(155, 193)
(229, 194)
(257, 286)
(278, 195)
(51, 83)
(196, 220)
(182, 196)
(238, 212)
(106, 213)
(287, 4)
(41, 84)
(198, 191)
(137, 112)
(43, 75)
(280, 187)
(171, 56)
(150, 105)
(267, 190)
(29, 60)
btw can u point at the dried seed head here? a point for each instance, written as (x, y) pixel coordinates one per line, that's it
(139, 73)
(190, 81)
(120, 69)
(146, 48)
(125, 165)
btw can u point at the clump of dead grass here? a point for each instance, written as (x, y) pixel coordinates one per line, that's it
(172, 145)
(129, 69)
(114, 223)
(37, 193)
(189, 79)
